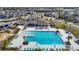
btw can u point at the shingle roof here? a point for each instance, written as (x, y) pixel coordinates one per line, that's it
(37, 22)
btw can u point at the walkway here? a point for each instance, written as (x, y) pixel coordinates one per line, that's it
(64, 38)
(18, 41)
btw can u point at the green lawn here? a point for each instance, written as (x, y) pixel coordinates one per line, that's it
(59, 24)
(6, 42)
(74, 30)
(76, 24)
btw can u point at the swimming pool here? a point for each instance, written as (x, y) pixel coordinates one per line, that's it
(43, 37)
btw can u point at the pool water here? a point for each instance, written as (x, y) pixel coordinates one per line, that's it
(43, 37)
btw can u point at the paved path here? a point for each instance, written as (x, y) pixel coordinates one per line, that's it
(64, 37)
(18, 41)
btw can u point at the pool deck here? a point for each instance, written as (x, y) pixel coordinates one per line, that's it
(64, 38)
(43, 29)
(35, 45)
(18, 42)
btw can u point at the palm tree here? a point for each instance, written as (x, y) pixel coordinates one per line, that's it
(38, 49)
(23, 37)
(68, 42)
(66, 21)
(25, 42)
(5, 43)
(57, 30)
(69, 37)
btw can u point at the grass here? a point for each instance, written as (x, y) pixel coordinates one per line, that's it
(59, 24)
(16, 30)
(74, 30)
(6, 42)
(76, 24)
(68, 43)
(7, 31)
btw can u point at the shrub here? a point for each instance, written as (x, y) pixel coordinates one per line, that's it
(69, 37)
(25, 42)
(65, 49)
(60, 17)
(68, 43)
(14, 26)
(16, 30)
(74, 30)
(6, 42)
(7, 30)
(38, 49)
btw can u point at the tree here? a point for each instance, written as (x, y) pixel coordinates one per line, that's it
(68, 42)
(60, 17)
(64, 26)
(69, 37)
(7, 31)
(25, 42)
(50, 19)
(16, 30)
(14, 25)
(5, 43)
(38, 49)
(57, 30)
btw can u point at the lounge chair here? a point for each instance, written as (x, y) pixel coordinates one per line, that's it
(46, 49)
(24, 49)
(27, 49)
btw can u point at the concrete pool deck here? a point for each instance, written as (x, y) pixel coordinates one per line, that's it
(64, 38)
(18, 42)
(43, 29)
(35, 45)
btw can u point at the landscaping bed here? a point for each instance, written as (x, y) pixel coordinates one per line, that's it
(72, 29)
(6, 42)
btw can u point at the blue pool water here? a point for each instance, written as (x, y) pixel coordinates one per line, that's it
(43, 37)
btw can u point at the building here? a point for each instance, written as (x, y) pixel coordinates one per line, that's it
(37, 23)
